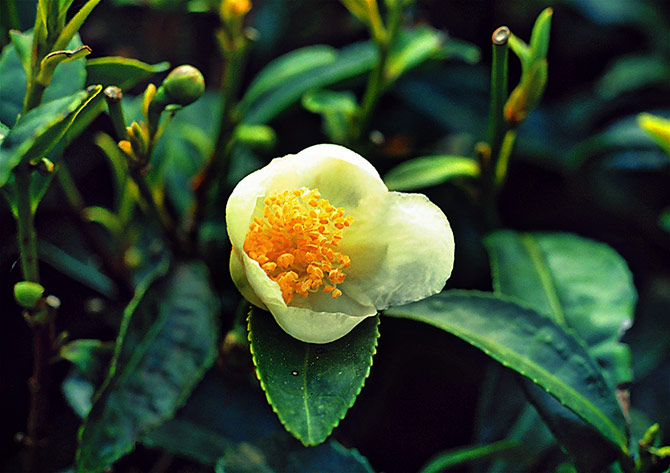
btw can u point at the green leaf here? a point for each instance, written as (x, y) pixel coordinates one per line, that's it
(255, 136)
(52, 60)
(337, 109)
(430, 171)
(122, 72)
(310, 387)
(168, 338)
(411, 49)
(40, 130)
(68, 79)
(471, 454)
(531, 344)
(87, 355)
(352, 61)
(539, 38)
(74, 24)
(285, 69)
(581, 284)
(84, 272)
(454, 48)
(585, 287)
(23, 44)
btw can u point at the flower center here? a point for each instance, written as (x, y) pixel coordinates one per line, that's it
(295, 242)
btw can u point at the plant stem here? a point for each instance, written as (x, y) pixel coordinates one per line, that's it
(33, 95)
(27, 237)
(497, 127)
(113, 96)
(503, 157)
(377, 83)
(218, 164)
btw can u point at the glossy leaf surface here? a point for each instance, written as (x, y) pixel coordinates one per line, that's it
(309, 386)
(531, 344)
(40, 130)
(120, 71)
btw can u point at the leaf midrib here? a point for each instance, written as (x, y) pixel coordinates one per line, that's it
(545, 278)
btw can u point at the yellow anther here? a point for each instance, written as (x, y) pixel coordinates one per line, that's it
(296, 240)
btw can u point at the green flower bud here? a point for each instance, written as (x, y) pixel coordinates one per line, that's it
(183, 86)
(28, 294)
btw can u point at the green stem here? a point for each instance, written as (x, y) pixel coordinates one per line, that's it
(10, 20)
(33, 96)
(218, 164)
(502, 161)
(497, 127)
(27, 237)
(377, 83)
(113, 96)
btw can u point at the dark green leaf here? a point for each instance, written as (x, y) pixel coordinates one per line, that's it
(430, 171)
(581, 284)
(122, 72)
(531, 344)
(352, 61)
(40, 130)
(411, 49)
(166, 342)
(311, 387)
(286, 68)
(584, 286)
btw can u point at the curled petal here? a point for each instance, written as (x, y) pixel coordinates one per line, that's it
(411, 257)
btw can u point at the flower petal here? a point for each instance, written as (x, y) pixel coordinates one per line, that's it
(409, 256)
(342, 176)
(310, 322)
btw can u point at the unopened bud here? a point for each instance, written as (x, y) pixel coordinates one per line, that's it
(184, 85)
(28, 294)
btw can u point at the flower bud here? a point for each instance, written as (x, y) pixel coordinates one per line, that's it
(28, 294)
(183, 86)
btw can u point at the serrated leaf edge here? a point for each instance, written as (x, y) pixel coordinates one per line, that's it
(311, 443)
(621, 442)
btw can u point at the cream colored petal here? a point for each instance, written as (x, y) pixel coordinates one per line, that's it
(342, 176)
(239, 277)
(408, 256)
(319, 319)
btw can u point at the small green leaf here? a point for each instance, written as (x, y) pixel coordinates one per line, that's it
(256, 136)
(71, 29)
(411, 49)
(311, 387)
(122, 72)
(457, 49)
(471, 454)
(87, 355)
(352, 61)
(52, 60)
(337, 109)
(286, 68)
(40, 130)
(23, 44)
(531, 344)
(430, 171)
(539, 38)
(166, 342)
(658, 129)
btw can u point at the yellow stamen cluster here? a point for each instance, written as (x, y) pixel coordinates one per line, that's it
(295, 242)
